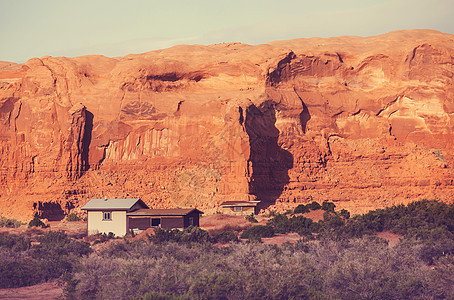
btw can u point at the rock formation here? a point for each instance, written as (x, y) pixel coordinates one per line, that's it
(365, 122)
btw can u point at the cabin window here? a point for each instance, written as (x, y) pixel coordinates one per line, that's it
(107, 216)
(238, 208)
(191, 221)
(155, 222)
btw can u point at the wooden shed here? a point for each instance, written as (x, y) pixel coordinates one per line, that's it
(165, 218)
(239, 207)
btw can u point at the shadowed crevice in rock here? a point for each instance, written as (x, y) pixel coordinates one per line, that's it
(270, 163)
(305, 116)
(86, 141)
(51, 211)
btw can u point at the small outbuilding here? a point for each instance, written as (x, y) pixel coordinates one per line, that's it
(239, 207)
(120, 216)
(165, 218)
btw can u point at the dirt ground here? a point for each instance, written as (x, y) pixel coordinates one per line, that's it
(43, 291)
(72, 229)
(392, 238)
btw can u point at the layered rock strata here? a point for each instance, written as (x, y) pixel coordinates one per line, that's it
(365, 122)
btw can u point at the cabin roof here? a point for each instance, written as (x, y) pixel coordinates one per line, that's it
(112, 204)
(164, 212)
(239, 203)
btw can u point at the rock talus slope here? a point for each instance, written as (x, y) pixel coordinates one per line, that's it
(365, 122)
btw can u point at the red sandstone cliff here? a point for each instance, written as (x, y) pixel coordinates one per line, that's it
(366, 122)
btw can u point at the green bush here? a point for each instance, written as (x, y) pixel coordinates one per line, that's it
(23, 264)
(345, 214)
(14, 242)
(314, 206)
(225, 237)
(365, 268)
(328, 206)
(301, 209)
(298, 224)
(163, 235)
(280, 224)
(36, 222)
(158, 296)
(257, 232)
(58, 242)
(10, 223)
(72, 217)
(192, 234)
(251, 218)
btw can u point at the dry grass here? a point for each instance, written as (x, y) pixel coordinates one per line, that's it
(218, 223)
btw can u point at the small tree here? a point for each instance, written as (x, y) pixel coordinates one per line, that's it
(328, 206)
(36, 222)
(345, 213)
(313, 206)
(225, 237)
(251, 218)
(301, 209)
(72, 217)
(258, 232)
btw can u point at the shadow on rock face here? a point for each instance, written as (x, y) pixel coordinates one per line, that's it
(270, 163)
(86, 141)
(49, 210)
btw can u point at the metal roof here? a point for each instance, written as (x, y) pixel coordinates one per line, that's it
(163, 212)
(239, 203)
(111, 204)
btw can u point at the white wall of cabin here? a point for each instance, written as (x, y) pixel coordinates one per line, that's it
(118, 225)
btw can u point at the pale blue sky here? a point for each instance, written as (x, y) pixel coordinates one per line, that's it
(35, 28)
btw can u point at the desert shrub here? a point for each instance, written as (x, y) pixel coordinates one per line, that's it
(10, 223)
(36, 222)
(353, 229)
(257, 232)
(332, 220)
(23, 264)
(192, 234)
(101, 237)
(14, 242)
(314, 206)
(299, 224)
(441, 277)
(72, 217)
(163, 235)
(302, 225)
(328, 206)
(280, 223)
(345, 214)
(364, 268)
(251, 218)
(230, 227)
(368, 268)
(237, 271)
(225, 237)
(158, 296)
(17, 271)
(301, 209)
(59, 244)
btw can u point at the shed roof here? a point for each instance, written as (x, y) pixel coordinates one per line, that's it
(164, 212)
(239, 203)
(112, 204)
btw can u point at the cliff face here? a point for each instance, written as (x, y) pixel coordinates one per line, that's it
(366, 122)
